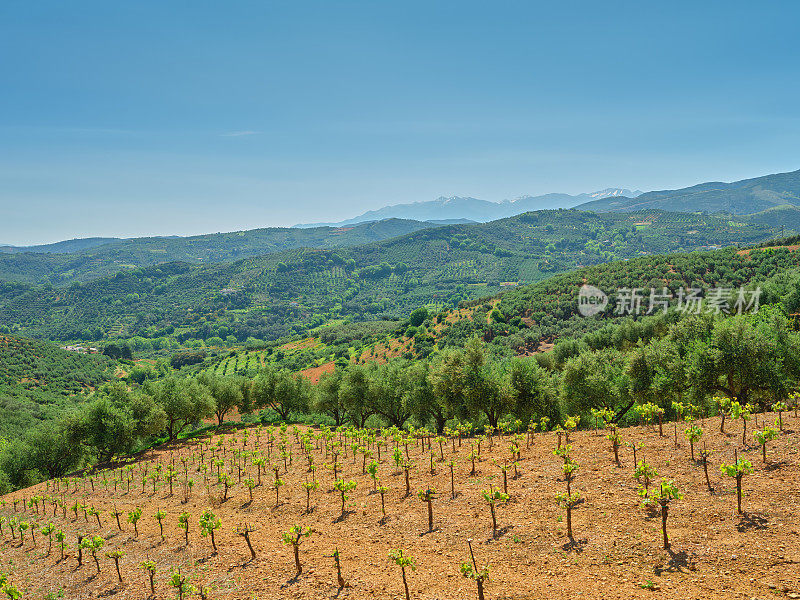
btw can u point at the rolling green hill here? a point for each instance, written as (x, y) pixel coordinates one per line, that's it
(526, 319)
(293, 291)
(739, 198)
(785, 216)
(530, 318)
(69, 262)
(38, 379)
(65, 247)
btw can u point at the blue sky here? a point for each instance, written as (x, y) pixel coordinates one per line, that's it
(188, 117)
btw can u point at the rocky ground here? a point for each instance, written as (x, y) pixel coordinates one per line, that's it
(616, 552)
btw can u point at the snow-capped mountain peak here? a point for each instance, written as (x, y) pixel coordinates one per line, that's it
(613, 193)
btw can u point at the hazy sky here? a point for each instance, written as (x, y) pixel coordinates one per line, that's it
(158, 117)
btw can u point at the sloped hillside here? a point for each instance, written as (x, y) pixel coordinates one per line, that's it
(293, 291)
(616, 551)
(739, 198)
(39, 379)
(84, 260)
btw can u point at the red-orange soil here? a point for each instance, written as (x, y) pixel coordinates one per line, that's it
(617, 553)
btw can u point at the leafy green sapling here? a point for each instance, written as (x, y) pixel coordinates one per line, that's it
(471, 571)
(644, 473)
(762, 437)
(209, 522)
(780, 408)
(61, 539)
(183, 523)
(93, 545)
(48, 530)
(663, 495)
(492, 497)
(337, 561)
(738, 470)
(382, 489)
(343, 487)
(294, 538)
(741, 412)
(403, 561)
(181, 584)
(614, 437)
(693, 434)
(133, 519)
(115, 555)
(160, 514)
(150, 568)
(428, 496)
(309, 486)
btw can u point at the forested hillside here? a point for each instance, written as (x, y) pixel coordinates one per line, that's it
(294, 291)
(785, 217)
(84, 260)
(38, 381)
(531, 318)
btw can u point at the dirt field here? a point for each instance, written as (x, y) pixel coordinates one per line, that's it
(617, 552)
(314, 373)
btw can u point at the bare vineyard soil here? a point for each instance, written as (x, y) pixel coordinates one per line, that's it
(617, 552)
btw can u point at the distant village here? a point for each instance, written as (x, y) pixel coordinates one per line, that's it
(81, 349)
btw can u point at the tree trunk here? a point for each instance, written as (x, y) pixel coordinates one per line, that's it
(440, 423)
(492, 418)
(249, 545)
(664, 509)
(739, 494)
(705, 468)
(569, 520)
(622, 412)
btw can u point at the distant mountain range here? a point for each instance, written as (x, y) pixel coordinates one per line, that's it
(460, 209)
(772, 200)
(744, 197)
